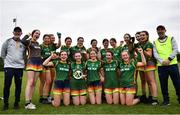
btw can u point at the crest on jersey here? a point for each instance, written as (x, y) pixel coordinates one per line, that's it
(78, 74)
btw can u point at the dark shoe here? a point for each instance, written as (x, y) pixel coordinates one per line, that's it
(16, 106)
(154, 102)
(143, 99)
(135, 97)
(165, 103)
(149, 100)
(46, 101)
(41, 99)
(5, 107)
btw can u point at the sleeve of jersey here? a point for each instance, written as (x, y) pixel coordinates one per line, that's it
(149, 46)
(55, 62)
(134, 62)
(25, 41)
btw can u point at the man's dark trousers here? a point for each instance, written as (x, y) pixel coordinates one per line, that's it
(164, 73)
(9, 73)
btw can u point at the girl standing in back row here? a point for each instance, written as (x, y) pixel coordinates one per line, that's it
(150, 68)
(33, 67)
(45, 76)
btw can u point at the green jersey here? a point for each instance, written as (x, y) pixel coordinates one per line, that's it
(45, 51)
(75, 49)
(93, 69)
(137, 45)
(127, 77)
(117, 53)
(125, 48)
(103, 54)
(66, 49)
(53, 47)
(110, 72)
(148, 45)
(62, 70)
(139, 59)
(77, 72)
(90, 49)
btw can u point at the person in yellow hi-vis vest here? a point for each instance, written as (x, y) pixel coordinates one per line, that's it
(165, 49)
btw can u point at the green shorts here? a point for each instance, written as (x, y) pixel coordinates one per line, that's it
(77, 84)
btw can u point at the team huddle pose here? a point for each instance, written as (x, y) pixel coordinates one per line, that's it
(79, 75)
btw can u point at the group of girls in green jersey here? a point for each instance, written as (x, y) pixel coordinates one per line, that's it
(81, 74)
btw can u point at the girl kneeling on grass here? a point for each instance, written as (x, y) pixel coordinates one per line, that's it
(77, 82)
(127, 80)
(110, 71)
(61, 83)
(93, 67)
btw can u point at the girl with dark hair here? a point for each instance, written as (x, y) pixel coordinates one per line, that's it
(140, 70)
(79, 48)
(45, 76)
(103, 51)
(129, 45)
(149, 69)
(33, 67)
(94, 48)
(115, 49)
